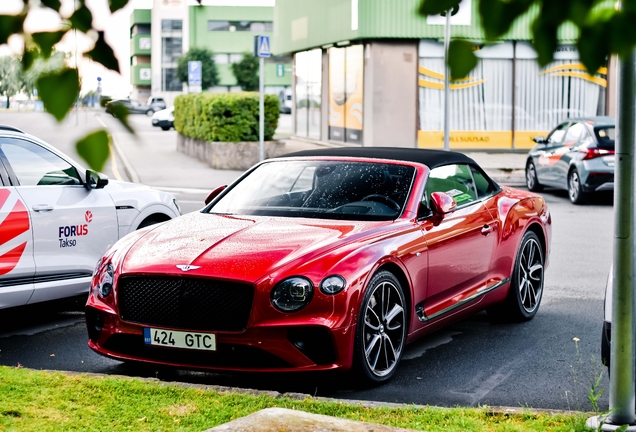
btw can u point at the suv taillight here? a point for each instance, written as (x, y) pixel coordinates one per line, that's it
(592, 153)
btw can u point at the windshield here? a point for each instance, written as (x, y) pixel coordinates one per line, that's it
(605, 136)
(321, 189)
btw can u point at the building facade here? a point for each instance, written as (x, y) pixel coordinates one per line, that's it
(371, 72)
(159, 36)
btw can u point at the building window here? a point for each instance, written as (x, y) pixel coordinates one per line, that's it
(232, 26)
(171, 25)
(235, 58)
(169, 80)
(346, 91)
(141, 29)
(171, 49)
(308, 92)
(221, 58)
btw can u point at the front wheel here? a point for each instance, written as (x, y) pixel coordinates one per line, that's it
(165, 128)
(532, 182)
(381, 329)
(149, 112)
(575, 190)
(526, 285)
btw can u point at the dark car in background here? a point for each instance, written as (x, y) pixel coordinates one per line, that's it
(577, 156)
(133, 105)
(157, 104)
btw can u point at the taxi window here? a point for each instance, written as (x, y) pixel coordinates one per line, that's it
(36, 166)
(557, 134)
(574, 133)
(455, 180)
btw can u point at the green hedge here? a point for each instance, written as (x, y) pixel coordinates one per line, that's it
(227, 117)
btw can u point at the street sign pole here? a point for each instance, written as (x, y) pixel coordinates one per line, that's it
(447, 83)
(261, 109)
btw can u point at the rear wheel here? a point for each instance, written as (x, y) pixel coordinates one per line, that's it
(166, 128)
(532, 182)
(526, 285)
(381, 329)
(575, 191)
(149, 112)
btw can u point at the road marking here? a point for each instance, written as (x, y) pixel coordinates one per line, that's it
(478, 387)
(127, 165)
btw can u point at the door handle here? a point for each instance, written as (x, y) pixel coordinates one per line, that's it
(486, 229)
(42, 207)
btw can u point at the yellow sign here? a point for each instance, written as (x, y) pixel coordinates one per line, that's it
(478, 139)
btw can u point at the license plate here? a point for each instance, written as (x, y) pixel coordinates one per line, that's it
(180, 339)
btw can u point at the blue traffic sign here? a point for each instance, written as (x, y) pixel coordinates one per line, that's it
(261, 46)
(194, 73)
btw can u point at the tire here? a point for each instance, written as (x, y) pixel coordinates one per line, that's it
(526, 285)
(148, 222)
(149, 112)
(575, 191)
(381, 330)
(532, 182)
(165, 128)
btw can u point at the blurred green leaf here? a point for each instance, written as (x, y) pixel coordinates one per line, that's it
(435, 7)
(497, 15)
(120, 112)
(82, 19)
(58, 91)
(103, 53)
(46, 40)
(10, 24)
(53, 4)
(461, 58)
(545, 41)
(94, 148)
(28, 57)
(117, 4)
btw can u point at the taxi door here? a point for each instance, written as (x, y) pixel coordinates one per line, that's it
(16, 246)
(72, 225)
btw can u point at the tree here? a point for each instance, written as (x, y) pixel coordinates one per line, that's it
(209, 73)
(246, 72)
(10, 77)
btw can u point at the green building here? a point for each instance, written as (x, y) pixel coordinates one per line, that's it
(371, 72)
(159, 36)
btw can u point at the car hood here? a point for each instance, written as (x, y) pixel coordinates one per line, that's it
(236, 247)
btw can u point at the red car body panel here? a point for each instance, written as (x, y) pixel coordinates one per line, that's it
(442, 263)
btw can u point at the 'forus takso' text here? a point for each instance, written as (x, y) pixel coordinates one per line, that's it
(71, 231)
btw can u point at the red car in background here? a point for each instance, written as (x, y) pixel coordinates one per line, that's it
(321, 260)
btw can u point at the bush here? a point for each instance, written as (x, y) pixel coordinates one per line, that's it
(226, 117)
(103, 101)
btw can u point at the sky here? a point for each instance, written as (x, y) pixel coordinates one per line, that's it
(116, 28)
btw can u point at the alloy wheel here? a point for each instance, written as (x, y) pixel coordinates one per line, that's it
(530, 275)
(574, 186)
(384, 329)
(531, 176)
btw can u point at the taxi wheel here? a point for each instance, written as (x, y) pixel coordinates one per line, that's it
(575, 190)
(532, 182)
(381, 329)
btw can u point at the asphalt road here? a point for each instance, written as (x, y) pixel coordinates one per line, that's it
(473, 362)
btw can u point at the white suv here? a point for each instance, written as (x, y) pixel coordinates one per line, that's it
(57, 219)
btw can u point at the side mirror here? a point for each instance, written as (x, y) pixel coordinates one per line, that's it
(95, 180)
(539, 140)
(214, 194)
(442, 203)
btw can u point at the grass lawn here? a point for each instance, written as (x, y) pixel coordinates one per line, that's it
(45, 401)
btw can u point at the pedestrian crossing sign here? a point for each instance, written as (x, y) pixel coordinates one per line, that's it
(261, 46)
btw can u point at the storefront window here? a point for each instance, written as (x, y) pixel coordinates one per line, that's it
(346, 75)
(308, 69)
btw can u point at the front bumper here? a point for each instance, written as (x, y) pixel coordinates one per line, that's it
(270, 348)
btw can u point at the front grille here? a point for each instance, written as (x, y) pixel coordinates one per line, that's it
(185, 303)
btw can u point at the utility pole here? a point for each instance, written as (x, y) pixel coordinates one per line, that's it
(261, 50)
(447, 28)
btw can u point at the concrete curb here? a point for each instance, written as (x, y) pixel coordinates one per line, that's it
(303, 396)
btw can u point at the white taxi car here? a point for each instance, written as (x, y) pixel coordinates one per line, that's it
(57, 219)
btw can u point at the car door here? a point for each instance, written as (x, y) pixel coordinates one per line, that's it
(548, 155)
(563, 154)
(17, 266)
(460, 245)
(72, 225)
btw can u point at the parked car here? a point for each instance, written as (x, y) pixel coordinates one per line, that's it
(322, 260)
(157, 103)
(134, 106)
(57, 219)
(577, 156)
(164, 119)
(285, 101)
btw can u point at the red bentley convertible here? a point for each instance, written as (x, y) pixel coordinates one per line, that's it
(323, 259)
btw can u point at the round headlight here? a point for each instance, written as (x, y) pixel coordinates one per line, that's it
(292, 294)
(332, 284)
(106, 280)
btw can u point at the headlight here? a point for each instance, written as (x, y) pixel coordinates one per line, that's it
(292, 294)
(332, 284)
(105, 284)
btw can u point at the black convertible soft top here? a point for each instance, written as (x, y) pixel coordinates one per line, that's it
(430, 158)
